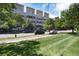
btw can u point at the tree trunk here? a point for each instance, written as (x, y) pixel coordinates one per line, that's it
(49, 30)
(72, 30)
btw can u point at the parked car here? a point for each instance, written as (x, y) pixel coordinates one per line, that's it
(53, 32)
(39, 31)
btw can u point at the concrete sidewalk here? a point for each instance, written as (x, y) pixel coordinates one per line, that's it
(30, 37)
(13, 35)
(64, 31)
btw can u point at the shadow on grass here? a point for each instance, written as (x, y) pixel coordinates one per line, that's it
(74, 34)
(24, 48)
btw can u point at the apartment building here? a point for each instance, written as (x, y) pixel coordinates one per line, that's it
(36, 16)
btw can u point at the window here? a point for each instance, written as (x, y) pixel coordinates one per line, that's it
(31, 17)
(39, 22)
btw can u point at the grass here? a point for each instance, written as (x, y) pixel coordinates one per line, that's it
(62, 44)
(57, 45)
(23, 48)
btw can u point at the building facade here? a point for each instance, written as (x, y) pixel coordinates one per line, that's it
(36, 16)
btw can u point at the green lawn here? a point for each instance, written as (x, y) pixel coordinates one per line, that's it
(63, 44)
(59, 44)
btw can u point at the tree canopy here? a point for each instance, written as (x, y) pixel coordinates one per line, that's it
(71, 16)
(5, 14)
(59, 23)
(49, 24)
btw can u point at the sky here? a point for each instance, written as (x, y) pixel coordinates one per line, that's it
(54, 9)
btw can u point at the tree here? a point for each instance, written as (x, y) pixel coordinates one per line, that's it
(48, 24)
(18, 20)
(59, 23)
(5, 14)
(29, 25)
(4, 26)
(71, 16)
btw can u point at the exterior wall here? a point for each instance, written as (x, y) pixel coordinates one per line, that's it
(19, 9)
(39, 13)
(30, 10)
(35, 20)
(46, 15)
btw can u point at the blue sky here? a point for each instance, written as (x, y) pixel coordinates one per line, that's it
(54, 9)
